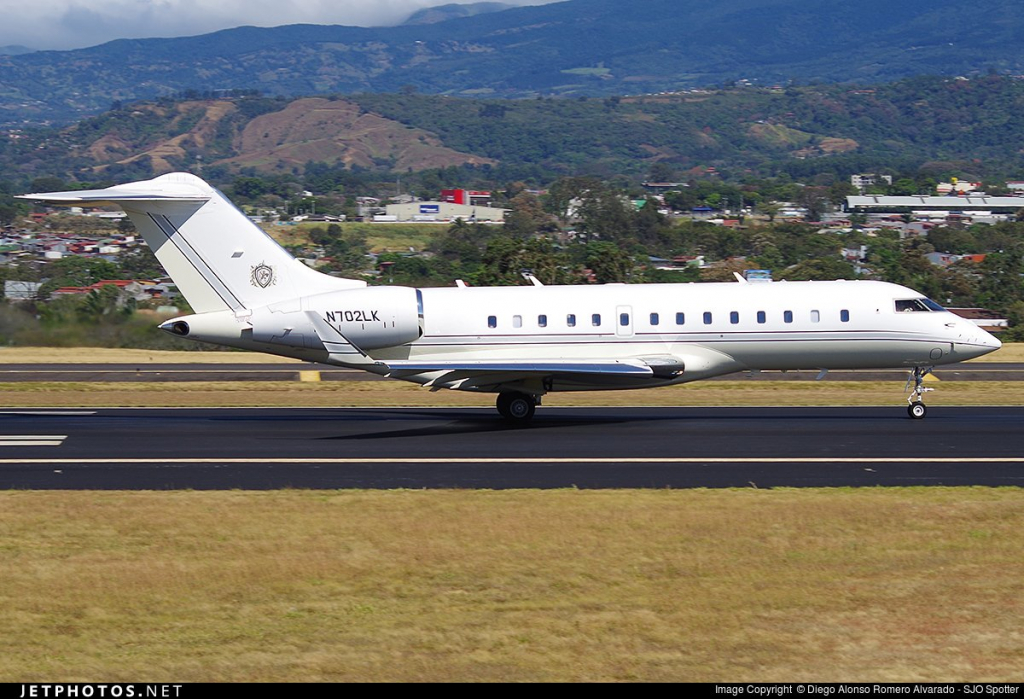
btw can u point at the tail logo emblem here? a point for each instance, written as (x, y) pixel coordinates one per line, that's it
(262, 275)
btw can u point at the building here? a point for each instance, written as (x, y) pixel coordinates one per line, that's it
(956, 187)
(466, 197)
(21, 291)
(443, 211)
(982, 204)
(985, 319)
(127, 288)
(861, 182)
(945, 259)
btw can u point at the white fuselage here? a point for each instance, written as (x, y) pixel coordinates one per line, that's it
(248, 292)
(714, 328)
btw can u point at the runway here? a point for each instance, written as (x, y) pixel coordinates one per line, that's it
(968, 371)
(263, 448)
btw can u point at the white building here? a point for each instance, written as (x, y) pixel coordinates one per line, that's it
(869, 180)
(444, 211)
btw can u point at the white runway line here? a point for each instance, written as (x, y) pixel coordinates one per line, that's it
(32, 440)
(536, 460)
(58, 413)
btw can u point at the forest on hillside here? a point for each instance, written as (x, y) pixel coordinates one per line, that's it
(814, 134)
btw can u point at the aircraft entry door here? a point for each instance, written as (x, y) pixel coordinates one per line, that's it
(624, 321)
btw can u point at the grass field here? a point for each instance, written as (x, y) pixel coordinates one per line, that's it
(916, 584)
(380, 237)
(1009, 353)
(739, 585)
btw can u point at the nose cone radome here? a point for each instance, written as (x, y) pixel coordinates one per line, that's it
(980, 344)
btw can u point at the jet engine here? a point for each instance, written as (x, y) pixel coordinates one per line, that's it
(369, 318)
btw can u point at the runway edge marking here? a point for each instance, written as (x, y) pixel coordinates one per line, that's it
(533, 460)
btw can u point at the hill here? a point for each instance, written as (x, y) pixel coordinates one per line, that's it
(262, 135)
(973, 127)
(579, 47)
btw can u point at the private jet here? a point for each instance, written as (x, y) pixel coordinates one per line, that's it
(521, 342)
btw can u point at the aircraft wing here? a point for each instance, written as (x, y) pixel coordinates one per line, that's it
(462, 373)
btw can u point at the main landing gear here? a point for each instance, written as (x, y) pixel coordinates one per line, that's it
(517, 408)
(916, 408)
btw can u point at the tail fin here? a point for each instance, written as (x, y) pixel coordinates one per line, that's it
(219, 259)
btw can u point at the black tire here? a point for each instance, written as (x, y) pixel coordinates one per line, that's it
(517, 408)
(917, 410)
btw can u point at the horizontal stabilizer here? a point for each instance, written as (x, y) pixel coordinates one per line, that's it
(175, 187)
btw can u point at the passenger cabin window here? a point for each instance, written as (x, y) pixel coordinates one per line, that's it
(815, 316)
(654, 319)
(844, 316)
(595, 320)
(761, 318)
(917, 305)
(734, 317)
(570, 320)
(787, 316)
(517, 321)
(492, 321)
(623, 319)
(707, 318)
(680, 319)
(542, 321)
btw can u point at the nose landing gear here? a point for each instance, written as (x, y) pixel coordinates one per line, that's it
(916, 408)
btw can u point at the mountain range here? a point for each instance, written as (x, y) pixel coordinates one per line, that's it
(968, 127)
(573, 48)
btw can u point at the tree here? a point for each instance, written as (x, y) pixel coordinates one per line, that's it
(527, 216)
(816, 201)
(820, 269)
(661, 172)
(77, 271)
(770, 209)
(609, 263)
(139, 263)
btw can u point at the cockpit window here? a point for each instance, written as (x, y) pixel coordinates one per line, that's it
(917, 305)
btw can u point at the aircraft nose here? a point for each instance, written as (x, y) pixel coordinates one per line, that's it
(990, 340)
(977, 344)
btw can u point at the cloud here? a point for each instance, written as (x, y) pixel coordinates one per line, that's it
(66, 24)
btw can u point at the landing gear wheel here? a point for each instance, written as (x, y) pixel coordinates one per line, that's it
(917, 410)
(517, 408)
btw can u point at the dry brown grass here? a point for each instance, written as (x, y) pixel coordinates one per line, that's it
(105, 355)
(1009, 353)
(400, 393)
(868, 584)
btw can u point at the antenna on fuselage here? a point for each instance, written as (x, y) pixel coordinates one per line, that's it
(528, 276)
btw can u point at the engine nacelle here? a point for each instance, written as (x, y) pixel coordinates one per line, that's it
(370, 318)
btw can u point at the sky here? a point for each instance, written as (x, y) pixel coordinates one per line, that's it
(70, 24)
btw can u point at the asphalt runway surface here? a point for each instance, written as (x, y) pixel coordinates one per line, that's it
(264, 448)
(970, 371)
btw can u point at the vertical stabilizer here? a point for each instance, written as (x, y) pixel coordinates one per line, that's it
(218, 258)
